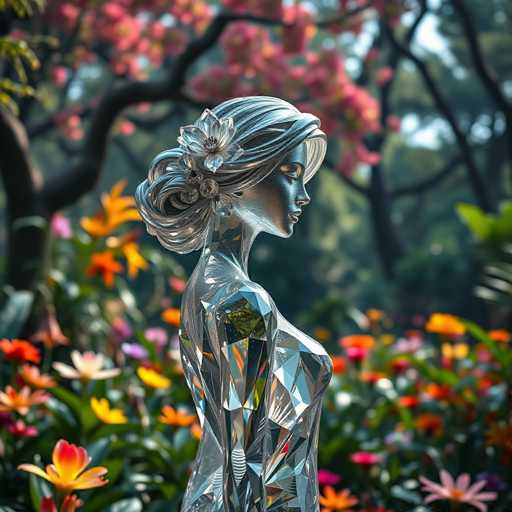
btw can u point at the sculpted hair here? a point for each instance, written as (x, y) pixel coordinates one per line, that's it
(267, 129)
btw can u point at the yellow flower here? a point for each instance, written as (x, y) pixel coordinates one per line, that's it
(455, 351)
(116, 211)
(448, 325)
(175, 418)
(88, 366)
(67, 471)
(105, 414)
(152, 378)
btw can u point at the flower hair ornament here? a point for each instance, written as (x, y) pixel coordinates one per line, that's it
(205, 145)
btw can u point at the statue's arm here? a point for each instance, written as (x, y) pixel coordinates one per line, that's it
(244, 326)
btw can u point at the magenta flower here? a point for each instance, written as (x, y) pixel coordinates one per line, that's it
(326, 477)
(121, 329)
(60, 226)
(458, 491)
(21, 429)
(366, 458)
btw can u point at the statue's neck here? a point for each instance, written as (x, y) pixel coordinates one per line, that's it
(230, 239)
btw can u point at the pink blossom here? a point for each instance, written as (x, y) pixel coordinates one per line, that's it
(58, 75)
(60, 226)
(21, 429)
(393, 123)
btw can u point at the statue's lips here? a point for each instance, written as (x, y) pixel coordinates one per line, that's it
(294, 217)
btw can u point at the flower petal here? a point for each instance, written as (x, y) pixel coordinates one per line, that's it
(107, 374)
(69, 460)
(446, 479)
(31, 468)
(91, 478)
(66, 371)
(213, 161)
(462, 482)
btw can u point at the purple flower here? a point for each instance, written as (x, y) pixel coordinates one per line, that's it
(134, 350)
(121, 329)
(326, 477)
(493, 482)
(157, 335)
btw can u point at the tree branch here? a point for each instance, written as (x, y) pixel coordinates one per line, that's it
(487, 75)
(361, 189)
(424, 185)
(65, 188)
(19, 174)
(477, 184)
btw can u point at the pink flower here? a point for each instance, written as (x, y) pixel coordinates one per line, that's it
(156, 335)
(58, 75)
(393, 123)
(177, 284)
(60, 226)
(366, 458)
(356, 354)
(121, 329)
(326, 477)
(457, 491)
(383, 75)
(21, 429)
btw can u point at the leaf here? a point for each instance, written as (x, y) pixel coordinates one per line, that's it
(476, 220)
(14, 312)
(98, 450)
(405, 495)
(81, 411)
(38, 489)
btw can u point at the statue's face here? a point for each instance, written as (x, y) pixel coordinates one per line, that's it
(276, 202)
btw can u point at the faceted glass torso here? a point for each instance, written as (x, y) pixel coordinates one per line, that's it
(257, 383)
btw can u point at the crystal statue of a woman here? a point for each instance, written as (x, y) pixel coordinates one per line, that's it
(256, 380)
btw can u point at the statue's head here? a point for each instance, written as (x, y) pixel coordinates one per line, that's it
(249, 157)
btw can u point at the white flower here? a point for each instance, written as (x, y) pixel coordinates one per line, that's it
(87, 366)
(209, 140)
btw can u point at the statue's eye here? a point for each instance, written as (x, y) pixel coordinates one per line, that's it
(291, 170)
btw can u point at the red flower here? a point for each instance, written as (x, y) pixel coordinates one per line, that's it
(409, 401)
(21, 429)
(20, 351)
(366, 458)
(357, 354)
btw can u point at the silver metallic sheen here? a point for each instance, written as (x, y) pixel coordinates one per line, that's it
(256, 380)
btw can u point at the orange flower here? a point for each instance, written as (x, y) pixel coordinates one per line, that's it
(442, 323)
(20, 351)
(116, 211)
(374, 315)
(67, 471)
(104, 264)
(371, 377)
(87, 366)
(409, 401)
(175, 418)
(358, 341)
(33, 377)
(196, 430)
(500, 335)
(107, 415)
(130, 249)
(49, 333)
(322, 334)
(429, 423)
(152, 378)
(334, 501)
(172, 316)
(21, 402)
(339, 364)
(439, 392)
(455, 351)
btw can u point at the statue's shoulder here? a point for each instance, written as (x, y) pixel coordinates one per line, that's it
(246, 306)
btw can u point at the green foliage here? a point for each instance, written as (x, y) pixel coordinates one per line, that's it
(23, 8)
